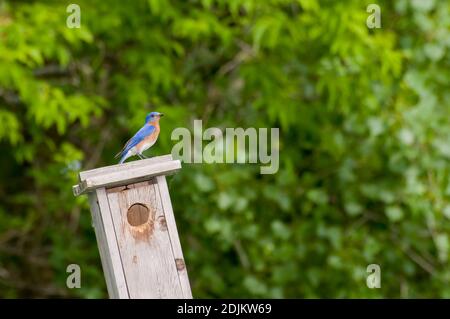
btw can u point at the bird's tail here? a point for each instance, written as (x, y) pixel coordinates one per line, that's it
(123, 158)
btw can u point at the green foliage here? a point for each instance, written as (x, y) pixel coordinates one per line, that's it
(364, 119)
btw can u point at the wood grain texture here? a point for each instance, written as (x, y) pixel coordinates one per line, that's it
(125, 174)
(145, 250)
(173, 234)
(133, 164)
(107, 245)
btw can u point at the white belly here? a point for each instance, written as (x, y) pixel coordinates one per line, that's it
(138, 150)
(146, 146)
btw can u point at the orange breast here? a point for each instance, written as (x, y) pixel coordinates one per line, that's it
(149, 140)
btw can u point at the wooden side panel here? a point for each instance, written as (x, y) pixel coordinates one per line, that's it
(174, 239)
(146, 253)
(107, 245)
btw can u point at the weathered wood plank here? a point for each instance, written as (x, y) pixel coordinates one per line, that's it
(126, 175)
(174, 238)
(100, 235)
(107, 243)
(145, 249)
(132, 164)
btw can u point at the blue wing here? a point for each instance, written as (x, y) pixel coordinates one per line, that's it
(145, 131)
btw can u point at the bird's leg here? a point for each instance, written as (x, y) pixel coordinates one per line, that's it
(143, 156)
(140, 156)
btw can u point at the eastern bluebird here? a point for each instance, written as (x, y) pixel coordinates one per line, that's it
(143, 139)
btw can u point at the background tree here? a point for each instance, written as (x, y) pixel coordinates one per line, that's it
(364, 120)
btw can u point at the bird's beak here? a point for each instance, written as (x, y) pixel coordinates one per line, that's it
(161, 115)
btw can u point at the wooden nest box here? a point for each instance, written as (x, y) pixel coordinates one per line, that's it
(135, 228)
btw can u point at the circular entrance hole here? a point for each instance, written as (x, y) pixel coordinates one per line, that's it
(138, 214)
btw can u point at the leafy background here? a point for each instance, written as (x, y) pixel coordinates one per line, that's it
(364, 124)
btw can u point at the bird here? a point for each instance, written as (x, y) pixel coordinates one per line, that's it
(143, 139)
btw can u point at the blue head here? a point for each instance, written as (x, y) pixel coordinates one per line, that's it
(153, 116)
